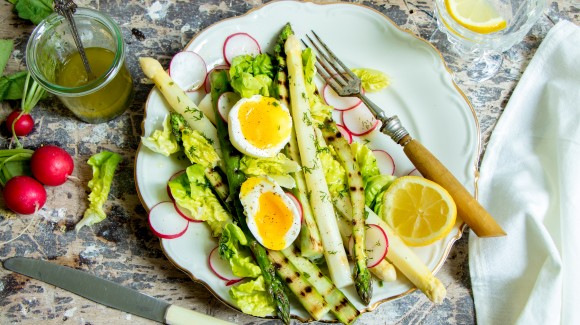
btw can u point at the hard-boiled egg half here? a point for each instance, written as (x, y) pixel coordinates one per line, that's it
(271, 215)
(259, 126)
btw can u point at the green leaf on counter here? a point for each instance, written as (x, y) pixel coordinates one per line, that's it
(104, 166)
(12, 86)
(33, 10)
(5, 51)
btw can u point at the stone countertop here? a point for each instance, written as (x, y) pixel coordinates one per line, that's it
(122, 248)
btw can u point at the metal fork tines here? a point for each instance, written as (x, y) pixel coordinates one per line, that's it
(342, 80)
(345, 83)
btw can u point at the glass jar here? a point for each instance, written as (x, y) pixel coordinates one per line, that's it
(54, 62)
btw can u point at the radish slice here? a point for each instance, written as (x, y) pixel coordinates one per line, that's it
(385, 162)
(185, 213)
(240, 44)
(165, 222)
(188, 70)
(339, 103)
(345, 132)
(207, 83)
(225, 103)
(359, 121)
(376, 244)
(415, 172)
(170, 179)
(298, 204)
(221, 267)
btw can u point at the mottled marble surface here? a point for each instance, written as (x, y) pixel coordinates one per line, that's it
(122, 248)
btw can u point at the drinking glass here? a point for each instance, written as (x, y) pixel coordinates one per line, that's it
(485, 49)
(54, 62)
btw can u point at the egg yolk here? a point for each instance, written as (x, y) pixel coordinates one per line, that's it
(264, 123)
(249, 184)
(273, 220)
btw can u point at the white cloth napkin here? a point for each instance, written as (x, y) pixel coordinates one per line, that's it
(530, 182)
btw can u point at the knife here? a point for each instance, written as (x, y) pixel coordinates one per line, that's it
(107, 293)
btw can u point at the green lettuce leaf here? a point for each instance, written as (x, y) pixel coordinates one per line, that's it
(231, 248)
(104, 165)
(198, 149)
(252, 298)
(366, 160)
(372, 80)
(162, 141)
(334, 174)
(252, 75)
(278, 168)
(320, 112)
(192, 191)
(375, 186)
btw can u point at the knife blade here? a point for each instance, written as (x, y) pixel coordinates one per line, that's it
(106, 292)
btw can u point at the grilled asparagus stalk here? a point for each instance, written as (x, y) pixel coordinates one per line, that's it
(339, 305)
(310, 298)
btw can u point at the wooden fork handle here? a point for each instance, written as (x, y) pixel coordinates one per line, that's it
(468, 209)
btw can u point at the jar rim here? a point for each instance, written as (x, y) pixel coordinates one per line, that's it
(99, 82)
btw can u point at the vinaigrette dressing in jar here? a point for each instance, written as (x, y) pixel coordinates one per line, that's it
(54, 62)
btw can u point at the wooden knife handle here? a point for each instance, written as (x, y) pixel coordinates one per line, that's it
(474, 215)
(176, 315)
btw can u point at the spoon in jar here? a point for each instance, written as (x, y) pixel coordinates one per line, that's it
(67, 8)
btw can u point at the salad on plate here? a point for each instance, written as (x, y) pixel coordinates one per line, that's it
(298, 207)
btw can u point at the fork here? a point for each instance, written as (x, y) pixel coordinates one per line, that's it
(345, 83)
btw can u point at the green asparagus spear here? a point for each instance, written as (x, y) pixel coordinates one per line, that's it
(339, 305)
(310, 298)
(231, 158)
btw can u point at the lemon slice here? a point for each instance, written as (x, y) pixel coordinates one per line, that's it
(476, 15)
(419, 211)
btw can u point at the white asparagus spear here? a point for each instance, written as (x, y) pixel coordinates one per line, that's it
(406, 261)
(179, 101)
(320, 200)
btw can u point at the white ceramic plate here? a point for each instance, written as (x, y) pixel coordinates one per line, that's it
(422, 94)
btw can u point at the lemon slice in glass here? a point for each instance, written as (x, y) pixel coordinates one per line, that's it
(476, 15)
(419, 210)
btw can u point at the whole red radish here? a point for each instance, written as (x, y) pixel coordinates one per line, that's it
(51, 165)
(23, 124)
(24, 195)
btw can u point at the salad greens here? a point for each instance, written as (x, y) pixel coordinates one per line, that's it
(366, 160)
(233, 248)
(104, 165)
(321, 113)
(196, 146)
(253, 297)
(162, 141)
(251, 75)
(278, 168)
(193, 192)
(372, 80)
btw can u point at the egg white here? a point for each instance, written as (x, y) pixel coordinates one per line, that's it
(238, 139)
(250, 202)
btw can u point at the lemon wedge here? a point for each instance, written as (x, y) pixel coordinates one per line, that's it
(419, 210)
(476, 15)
